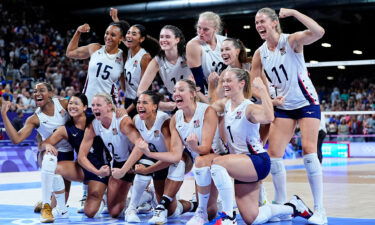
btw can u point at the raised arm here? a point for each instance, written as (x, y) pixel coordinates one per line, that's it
(194, 61)
(83, 52)
(148, 76)
(113, 12)
(17, 136)
(262, 113)
(313, 33)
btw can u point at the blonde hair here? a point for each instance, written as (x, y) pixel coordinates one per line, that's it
(107, 99)
(273, 16)
(215, 18)
(192, 87)
(242, 75)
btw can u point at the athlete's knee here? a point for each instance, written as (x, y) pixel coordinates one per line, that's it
(201, 161)
(202, 176)
(49, 163)
(219, 161)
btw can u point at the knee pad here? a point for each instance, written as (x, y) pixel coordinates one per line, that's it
(58, 183)
(146, 162)
(312, 164)
(179, 209)
(277, 166)
(141, 178)
(221, 177)
(202, 176)
(49, 163)
(176, 172)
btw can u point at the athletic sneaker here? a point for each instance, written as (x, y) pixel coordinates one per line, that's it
(199, 218)
(38, 207)
(319, 217)
(81, 208)
(60, 213)
(131, 216)
(159, 217)
(144, 208)
(223, 219)
(299, 207)
(46, 214)
(280, 218)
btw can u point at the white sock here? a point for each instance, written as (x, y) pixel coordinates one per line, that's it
(315, 176)
(58, 186)
(280, 210)
(262, 195)
(279, 179)
(84, 189)
(223, 183)
(139, 185)
(203, 201)
(49, 164)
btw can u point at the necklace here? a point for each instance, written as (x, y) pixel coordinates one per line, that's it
(110, 56)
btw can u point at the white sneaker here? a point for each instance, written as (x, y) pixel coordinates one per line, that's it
(131, 216)
(319, 217)
(280, 218)
(60, 213)
(299, 207)
(144, 208)
(159, 217)
(81, 208)
(200, 218)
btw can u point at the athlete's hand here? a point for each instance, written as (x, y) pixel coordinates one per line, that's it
(192, 141)
(118, 173)
(51, 149)
(286, 12)
(104, 171)
(5, 106)
(258, 85)
(143, 146)
(213, 79)
(279, 100)
(141, 169)
(114, 14)
(85, 28)
(120, 112)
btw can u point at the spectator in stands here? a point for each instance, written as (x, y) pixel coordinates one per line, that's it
(370, 127)
(332, 129)
(343, 129)
(18, 121)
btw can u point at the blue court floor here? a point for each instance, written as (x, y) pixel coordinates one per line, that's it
(343, 178)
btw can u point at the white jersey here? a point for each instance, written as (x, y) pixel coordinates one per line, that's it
(171, 73)
(153, 136)
(195, 126)
(116, 142)
(103, 73)
(287, 71)
(211, 59)
(133, 72)
(242, 135)
(48, 124)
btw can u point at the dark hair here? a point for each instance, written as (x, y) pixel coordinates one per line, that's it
(237, 43)
(181, 44)
(155, 97)
(48, 86)
(123, 25)
(82, 97)
(150, 44)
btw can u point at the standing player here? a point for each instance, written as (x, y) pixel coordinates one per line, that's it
(203, 51)
(281, 59)
(49, 115)
(170, 63)
(106, 61)
(194, 127)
